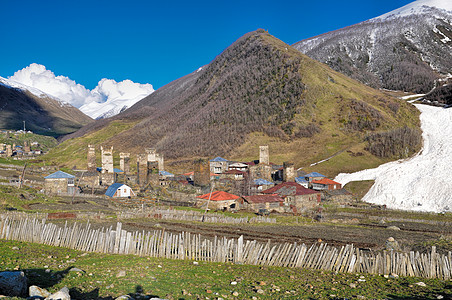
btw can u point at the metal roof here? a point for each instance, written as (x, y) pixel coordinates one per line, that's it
(219, 159)
(59, 174)
(300, 179)
(314, 174)
(261, 181)
(113, 188)
(165, 173)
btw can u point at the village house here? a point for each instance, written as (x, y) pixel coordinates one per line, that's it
(271, 202)
(238, 166)
(295, 196)
(218, 165)
(59, 183)
(218, 200)
(325, 184)
(260, 185)
(234, 174)
(119, 190)
(302, 181)
(314, 176)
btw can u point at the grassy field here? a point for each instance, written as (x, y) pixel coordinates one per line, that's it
(107, 276)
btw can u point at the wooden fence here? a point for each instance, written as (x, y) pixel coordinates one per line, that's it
(192, 246)
(186, 215)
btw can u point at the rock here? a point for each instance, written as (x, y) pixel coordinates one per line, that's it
(36, 291)
(124, 297)
(440, 297)
(235, 294)
(392, 244)
(420, 283)
(393, 228)
(262, 283)
(353, 285)
(15, 248)
(233, 282)
(121, 273)
(393, 275)
(76, 270)
(13, 283)
(62, 294)
(260, 291)
(196, 263)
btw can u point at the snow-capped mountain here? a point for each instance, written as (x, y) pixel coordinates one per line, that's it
(421, 183)
(42, 113)
(406, 49)
(107, 99)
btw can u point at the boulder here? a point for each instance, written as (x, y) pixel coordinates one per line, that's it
(37, 292)
(13, 283)
(62, 294)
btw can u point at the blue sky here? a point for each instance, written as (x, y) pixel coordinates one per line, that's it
(156, 41)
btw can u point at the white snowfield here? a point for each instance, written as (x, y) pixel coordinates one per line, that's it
(423, 182)
(418, 7)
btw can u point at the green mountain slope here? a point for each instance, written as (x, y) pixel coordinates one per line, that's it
(258, 91)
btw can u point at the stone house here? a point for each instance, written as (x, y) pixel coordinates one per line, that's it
(218, 200)
(234, 174)
(260, 185)
(59, 183)
(314, 176)
(271, 202)
(295, 196)
(218, 165)
(238, 166)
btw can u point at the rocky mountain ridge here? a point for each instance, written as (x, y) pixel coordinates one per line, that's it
(407, 49)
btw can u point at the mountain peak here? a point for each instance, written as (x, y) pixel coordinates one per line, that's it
(417, 7)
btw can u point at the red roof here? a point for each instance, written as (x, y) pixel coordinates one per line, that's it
(326, 181)
(263, 198)
(219, 196)
(289, 189)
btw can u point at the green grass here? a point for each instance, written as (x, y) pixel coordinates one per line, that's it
(181, 279)
(73, 152)
(359, 188)
(14, 198)
(45, 142)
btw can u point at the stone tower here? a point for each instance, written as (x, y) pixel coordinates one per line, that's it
(288, 172)
(107, 159)
(142, 169)
(9, 151)
(124, 162)
(27, 148)
(264, 157)
(151, 154)
(91, 158)
(161, 161)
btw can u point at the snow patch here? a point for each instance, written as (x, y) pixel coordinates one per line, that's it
(423, 182)
(445, 38)
(417, 7)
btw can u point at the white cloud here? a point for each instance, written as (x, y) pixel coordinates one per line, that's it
(108, 96)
